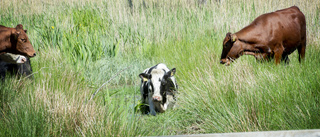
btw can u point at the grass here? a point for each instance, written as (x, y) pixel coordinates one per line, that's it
(82, 44)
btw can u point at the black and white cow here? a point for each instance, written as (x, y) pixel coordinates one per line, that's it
(158, 89)
(14, 64)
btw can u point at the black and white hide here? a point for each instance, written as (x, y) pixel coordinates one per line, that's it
(158, 89)
(14, 64)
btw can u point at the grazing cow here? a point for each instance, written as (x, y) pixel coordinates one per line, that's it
(271, 35)
(14, 65)
(15, 40)
(158, 89)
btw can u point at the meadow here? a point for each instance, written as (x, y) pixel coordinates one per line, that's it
(81, 44)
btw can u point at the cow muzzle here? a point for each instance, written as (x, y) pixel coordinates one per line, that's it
(157, 98)
(225, 61)
(32, 55)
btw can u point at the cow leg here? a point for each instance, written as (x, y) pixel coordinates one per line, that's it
(151, 105)
(285, 58)
(302, 51)
(278, 53)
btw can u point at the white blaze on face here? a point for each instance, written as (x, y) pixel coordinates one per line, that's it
(21, 59)
(13, 58)
(157, 75)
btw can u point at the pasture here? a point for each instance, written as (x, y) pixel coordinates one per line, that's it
(81, 44)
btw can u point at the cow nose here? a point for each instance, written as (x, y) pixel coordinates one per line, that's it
(221, 62)
(157, 98)
(34, 54)
(23, 60)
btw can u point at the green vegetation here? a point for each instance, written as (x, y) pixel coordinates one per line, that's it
(81, 44)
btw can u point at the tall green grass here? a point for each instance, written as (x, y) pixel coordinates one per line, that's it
(82, 44)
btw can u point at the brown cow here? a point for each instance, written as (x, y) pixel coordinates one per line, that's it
(15, 40)
(276, 34)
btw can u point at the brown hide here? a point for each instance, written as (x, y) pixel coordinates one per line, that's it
(15, 40)
(271, 35)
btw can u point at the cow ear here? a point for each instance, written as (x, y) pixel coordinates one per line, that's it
(15, 33)
(19, 27)
(228, 36)
(170, 73)
(233, 37)
(144, 76)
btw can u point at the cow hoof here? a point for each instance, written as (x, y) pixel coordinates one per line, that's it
(153, 113)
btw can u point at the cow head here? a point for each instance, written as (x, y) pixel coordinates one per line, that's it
(21, 43)
(13, 58)
(160, 84)
(231, 49)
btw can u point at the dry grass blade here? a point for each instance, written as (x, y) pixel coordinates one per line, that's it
(118, 73)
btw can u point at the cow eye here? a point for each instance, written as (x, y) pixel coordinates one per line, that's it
(225, 45)
(23, 40)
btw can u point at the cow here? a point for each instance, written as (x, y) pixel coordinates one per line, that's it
(14, 65)
(271, 35)
(158, 89)
(16, 41)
